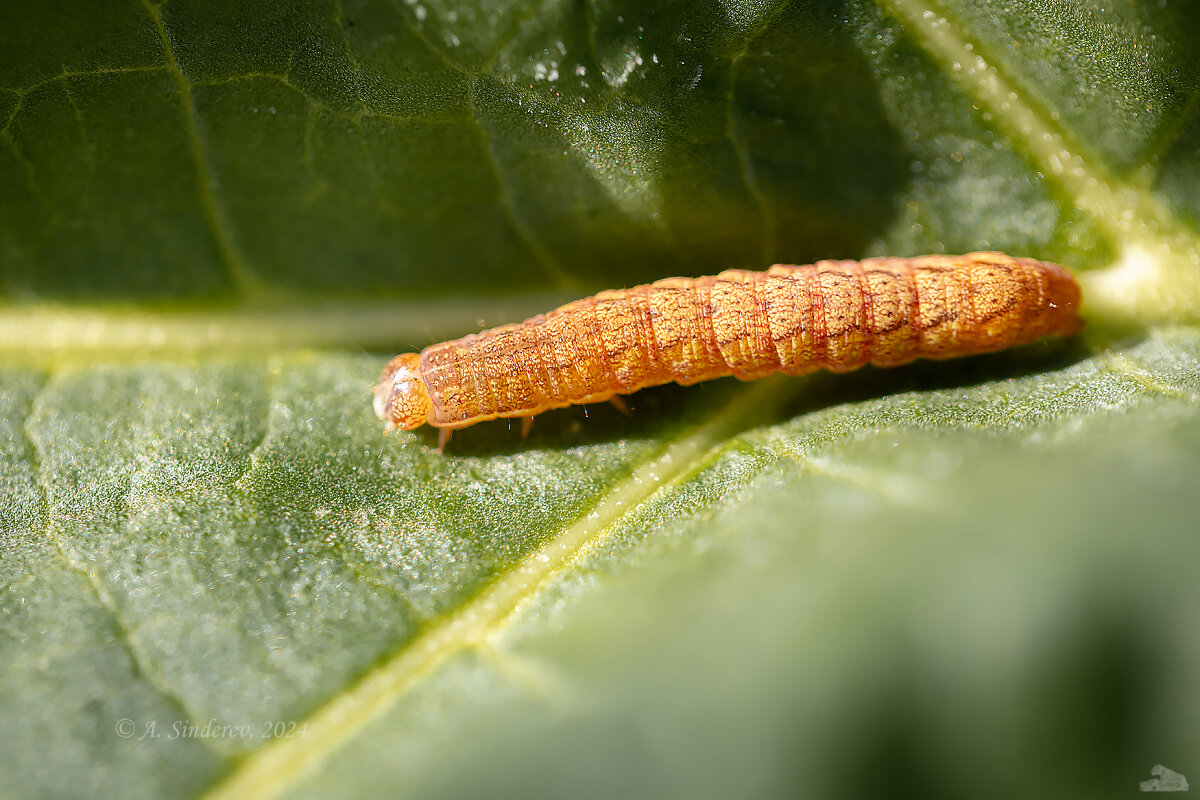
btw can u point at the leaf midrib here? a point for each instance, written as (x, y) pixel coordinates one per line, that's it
(1157, 274)
(47, 336)
(282, 762)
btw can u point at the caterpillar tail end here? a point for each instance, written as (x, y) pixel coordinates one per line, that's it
(1063, 299)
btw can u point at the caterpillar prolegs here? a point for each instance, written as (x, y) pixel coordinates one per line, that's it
(838, 315)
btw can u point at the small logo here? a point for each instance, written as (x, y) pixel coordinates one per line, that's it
(1165, 780)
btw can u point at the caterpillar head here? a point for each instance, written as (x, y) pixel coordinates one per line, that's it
(401, 398)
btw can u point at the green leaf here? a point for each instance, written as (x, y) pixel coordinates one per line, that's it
(219, 578)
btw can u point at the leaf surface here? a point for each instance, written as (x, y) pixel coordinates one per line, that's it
(218, 220)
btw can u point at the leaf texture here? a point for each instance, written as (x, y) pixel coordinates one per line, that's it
(219, 579)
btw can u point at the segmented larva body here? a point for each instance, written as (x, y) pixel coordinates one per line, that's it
(838, 315)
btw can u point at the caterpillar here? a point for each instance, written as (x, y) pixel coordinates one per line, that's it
(837, 315)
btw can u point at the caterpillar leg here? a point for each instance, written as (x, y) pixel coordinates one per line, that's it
(619, 405)
(444, 435)
(526, 426)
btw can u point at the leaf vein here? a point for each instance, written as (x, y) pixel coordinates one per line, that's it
(235, 264)
(544, 257)
(1137, 221)
(280, 763)
(416, 31)
(738, 142)
(122, 638)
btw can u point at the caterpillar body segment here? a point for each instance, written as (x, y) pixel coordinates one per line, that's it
(837, 315)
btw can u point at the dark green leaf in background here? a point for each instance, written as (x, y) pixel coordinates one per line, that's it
(218, 220)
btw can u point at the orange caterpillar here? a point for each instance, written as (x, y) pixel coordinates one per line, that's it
(838, 315)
